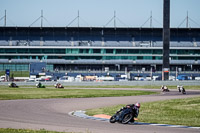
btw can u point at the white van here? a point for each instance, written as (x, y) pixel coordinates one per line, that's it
(2, 78)
(197, 78)
(106, 78)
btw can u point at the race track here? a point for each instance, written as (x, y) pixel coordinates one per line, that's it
(52, 114)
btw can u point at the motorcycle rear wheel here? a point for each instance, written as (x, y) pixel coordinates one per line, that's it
(127, 118)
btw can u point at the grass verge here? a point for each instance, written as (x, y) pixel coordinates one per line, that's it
(9, 130)
(176, 112)
(7, 93)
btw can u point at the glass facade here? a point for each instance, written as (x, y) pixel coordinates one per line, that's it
(95, 47)
(32, 51)
(49, 67)
(14, 67)
(97, 51)
(185, 51)
(98, 54)
(21, 67)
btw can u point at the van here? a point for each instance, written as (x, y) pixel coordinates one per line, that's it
(2, 78)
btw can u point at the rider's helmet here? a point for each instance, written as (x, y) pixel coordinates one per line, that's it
(137, 105)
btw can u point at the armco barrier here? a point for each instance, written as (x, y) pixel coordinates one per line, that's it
(122, 83)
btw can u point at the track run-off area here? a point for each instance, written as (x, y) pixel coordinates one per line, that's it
(53, 114)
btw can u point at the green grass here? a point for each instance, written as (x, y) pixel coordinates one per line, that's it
(9, 130)
(7, 93)
(176, 112)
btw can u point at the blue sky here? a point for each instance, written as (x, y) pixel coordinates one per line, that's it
(132, 13)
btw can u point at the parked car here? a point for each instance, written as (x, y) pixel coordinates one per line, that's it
(157, 78)
(148, 78)
(79, 78)
(182, 77)
(172, 78)
(66, 79)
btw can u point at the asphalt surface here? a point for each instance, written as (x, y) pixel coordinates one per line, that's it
(52, 114)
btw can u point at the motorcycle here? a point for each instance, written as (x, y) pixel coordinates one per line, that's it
(58, 85)
(165, 89)
(13, 85)
(123, 116)
(40, 85)
(181, 89)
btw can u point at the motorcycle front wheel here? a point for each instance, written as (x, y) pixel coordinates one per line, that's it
(127, 118)
(183, 92)
(112, 119)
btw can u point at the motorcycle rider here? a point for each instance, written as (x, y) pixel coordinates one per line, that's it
(39, 84)
(126, 114)
(12, 85)
(179, 88)
(135, 108)
(162, 87)
(58, 85)
(182, 89)
(165, 88)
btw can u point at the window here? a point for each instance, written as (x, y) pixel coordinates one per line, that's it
(35, 51)
(59, 51)
(109, 51)
(10, 50)
(22, 51)
(121, 51)
(45, 51)
(84, 51)
(96, 51)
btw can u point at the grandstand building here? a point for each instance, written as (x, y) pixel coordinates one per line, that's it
(97, 49)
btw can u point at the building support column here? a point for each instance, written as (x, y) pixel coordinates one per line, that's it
(166, 39)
